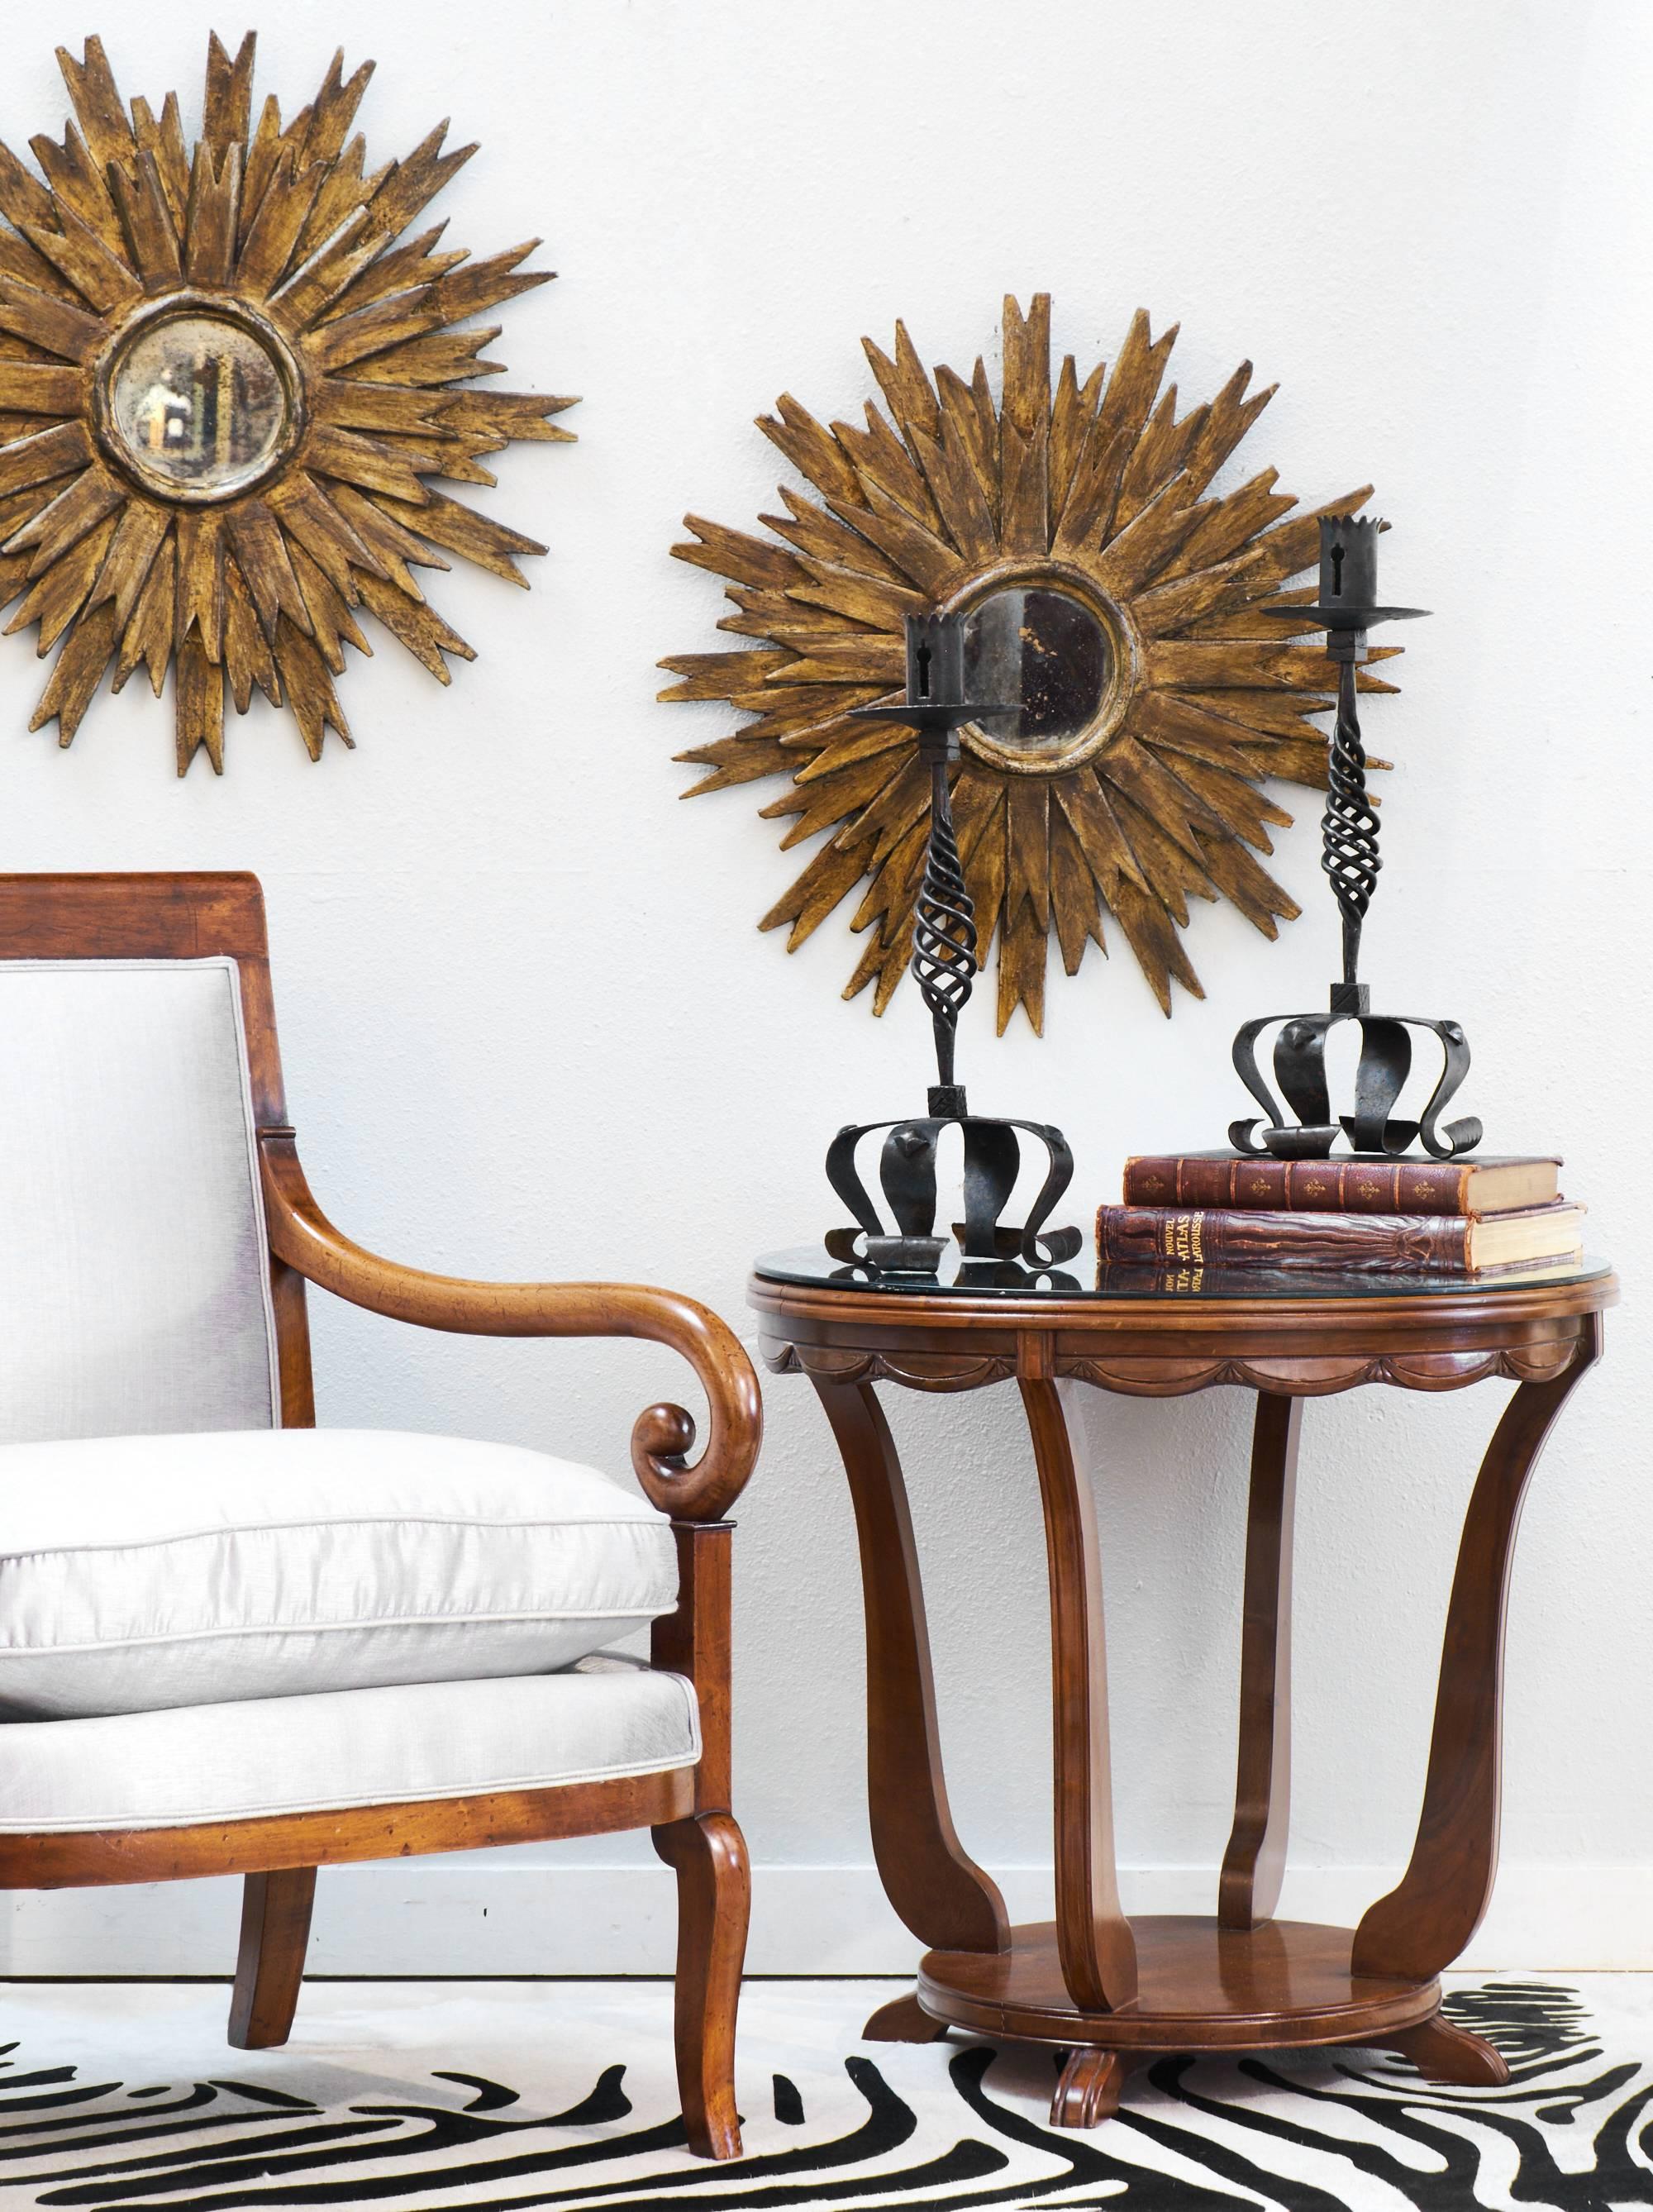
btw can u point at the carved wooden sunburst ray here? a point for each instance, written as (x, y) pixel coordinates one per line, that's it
(225, 376)
(1092, 492)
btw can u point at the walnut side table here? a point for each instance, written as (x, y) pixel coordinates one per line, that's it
(1114, 1992)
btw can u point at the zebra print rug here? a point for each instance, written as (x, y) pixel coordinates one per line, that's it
(423, 2097)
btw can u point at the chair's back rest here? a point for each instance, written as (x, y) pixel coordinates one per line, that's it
(135, 1281)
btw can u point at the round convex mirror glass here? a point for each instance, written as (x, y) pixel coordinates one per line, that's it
(1047, 657)
(197, 405)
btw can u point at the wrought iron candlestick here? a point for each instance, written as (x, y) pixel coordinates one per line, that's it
(945, 965)
(1346, 607)
(944, 962)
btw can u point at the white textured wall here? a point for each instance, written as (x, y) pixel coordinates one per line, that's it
(529, 1025)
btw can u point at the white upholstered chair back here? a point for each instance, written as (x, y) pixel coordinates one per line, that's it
(134, 1277)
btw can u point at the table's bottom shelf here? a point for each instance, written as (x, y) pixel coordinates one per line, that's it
(1200, 1987)
(1287, 1985)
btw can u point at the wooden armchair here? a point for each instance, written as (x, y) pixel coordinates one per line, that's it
(163, 1364)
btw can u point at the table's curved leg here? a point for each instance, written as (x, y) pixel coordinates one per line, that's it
(1089, 2090)
(1254, 1864)
(903, 2020)
(1423, 1923)
(1093, 1937)
(934, 1884)
(1441, 2052)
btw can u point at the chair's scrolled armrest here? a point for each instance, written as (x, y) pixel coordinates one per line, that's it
(301, 1236)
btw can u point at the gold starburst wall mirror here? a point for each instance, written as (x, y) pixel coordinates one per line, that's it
(1113, 609)
(229, 380)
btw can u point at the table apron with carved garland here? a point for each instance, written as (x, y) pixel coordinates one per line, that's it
(1114, 1992)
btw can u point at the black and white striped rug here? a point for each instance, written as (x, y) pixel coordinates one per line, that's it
(423, 2097)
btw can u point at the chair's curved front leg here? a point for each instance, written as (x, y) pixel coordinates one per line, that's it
(707, 1854)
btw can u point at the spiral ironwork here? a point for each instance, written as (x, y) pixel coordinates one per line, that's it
(1308, 1126)
(944, 962)
(1349, 827)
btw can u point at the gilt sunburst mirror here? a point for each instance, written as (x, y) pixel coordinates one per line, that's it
(230, 380)
(1113, 602)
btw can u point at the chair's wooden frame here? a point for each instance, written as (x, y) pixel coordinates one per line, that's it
(688, 1809)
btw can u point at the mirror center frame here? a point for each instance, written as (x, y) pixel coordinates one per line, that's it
(1037, 572)
(188, 305)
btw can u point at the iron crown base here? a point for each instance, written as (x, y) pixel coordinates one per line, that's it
(907, 1175)
(1372, 1131)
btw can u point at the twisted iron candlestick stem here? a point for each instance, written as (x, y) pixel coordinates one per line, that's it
(1349, 827)
(943, 933)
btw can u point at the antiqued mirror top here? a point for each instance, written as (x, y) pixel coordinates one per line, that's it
(811, 1266)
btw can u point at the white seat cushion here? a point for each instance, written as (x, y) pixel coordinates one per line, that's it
(166, 1770)
(138, 1573)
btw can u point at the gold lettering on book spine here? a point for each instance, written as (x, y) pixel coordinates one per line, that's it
(1184, 1238)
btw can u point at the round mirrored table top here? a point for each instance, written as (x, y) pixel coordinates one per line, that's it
(812, 1267)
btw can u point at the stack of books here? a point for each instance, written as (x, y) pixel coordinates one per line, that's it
(1222, 1209)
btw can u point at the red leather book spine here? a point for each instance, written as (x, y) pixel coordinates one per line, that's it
(1178, 1182)
(1398, 1244)
(1433, 1187)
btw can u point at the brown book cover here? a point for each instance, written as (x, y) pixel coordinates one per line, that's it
(1439, 1187)
(1393, 1243)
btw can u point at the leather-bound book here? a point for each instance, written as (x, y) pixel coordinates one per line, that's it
(1389, 1243)
(1232, 1180)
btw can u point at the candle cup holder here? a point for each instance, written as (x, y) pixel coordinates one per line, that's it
(1345, 609)
(945, 965)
